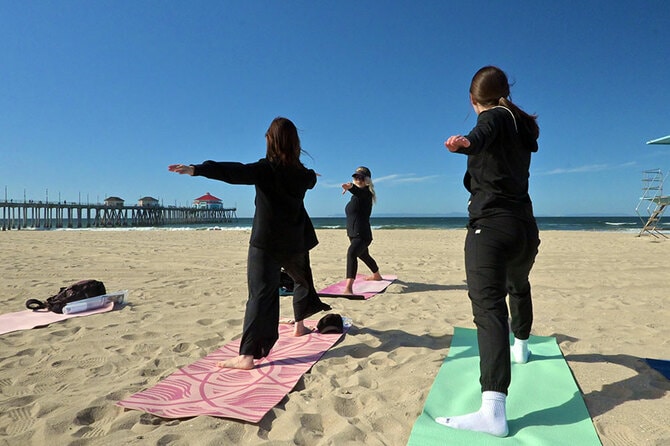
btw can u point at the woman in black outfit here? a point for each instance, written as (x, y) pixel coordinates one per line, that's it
(281, 236)
(358, 212)
(502, 240)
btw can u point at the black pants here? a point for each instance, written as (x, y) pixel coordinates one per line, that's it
(358, 249)
(499, 254)
(261, 319)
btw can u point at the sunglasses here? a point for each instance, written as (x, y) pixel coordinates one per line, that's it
(359, 177)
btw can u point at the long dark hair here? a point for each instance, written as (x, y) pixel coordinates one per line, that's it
(490, 87)
(283, 143)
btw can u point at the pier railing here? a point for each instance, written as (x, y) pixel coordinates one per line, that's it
(46, 215)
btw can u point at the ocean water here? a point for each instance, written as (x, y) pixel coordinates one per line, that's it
(616, 224)
(603, 224)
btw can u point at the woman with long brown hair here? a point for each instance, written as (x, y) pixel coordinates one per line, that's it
(281, 236)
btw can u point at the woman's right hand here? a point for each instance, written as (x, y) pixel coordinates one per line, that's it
(453, 143)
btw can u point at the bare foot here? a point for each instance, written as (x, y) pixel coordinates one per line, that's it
(375, 276)
(349, 287)
(300, 329)
(243, 362)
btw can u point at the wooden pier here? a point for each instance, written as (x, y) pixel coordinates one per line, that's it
(47, 215)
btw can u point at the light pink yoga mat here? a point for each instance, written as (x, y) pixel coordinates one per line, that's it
(363, 289)
(27, 319)
(204, 389)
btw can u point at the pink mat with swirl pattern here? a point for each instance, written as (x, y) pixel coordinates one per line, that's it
(204, 389)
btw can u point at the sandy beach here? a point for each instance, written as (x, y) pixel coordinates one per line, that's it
(603, 295)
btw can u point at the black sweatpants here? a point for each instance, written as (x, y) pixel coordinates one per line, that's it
(499, 254)
(358, 249)
(261, 318)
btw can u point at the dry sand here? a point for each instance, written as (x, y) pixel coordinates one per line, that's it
(602, 295)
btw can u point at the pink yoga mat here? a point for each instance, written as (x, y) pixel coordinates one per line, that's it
(204, 389)
(363, 289)
(27, 319)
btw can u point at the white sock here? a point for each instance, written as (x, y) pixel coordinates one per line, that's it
(520, 352)
(491, 418)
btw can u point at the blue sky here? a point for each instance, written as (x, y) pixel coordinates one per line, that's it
(98, 97)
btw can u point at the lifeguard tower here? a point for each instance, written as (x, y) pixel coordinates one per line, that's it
(653, 203)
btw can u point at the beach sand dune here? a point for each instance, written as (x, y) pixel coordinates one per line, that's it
(603, 295)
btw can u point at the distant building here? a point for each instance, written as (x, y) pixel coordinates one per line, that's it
(208, 201)
(114, 202)
(148, 202)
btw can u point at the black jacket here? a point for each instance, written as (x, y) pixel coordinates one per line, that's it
(281, 223)
(498, 165)
(358, 212)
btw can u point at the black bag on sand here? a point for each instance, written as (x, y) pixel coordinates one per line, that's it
(78, 291)
(330, 323)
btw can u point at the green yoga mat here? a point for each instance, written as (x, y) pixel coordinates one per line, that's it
(544, 406)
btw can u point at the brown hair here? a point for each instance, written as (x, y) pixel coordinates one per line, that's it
(490, 87)
(283, 143)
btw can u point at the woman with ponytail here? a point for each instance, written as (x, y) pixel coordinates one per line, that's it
(501, 243)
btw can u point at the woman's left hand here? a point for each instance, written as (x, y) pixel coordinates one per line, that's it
(181, 169)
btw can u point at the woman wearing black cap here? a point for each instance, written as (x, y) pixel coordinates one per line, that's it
(358, 212)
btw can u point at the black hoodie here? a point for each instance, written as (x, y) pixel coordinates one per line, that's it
(498, 165)
(358, 212)
(281, 223)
